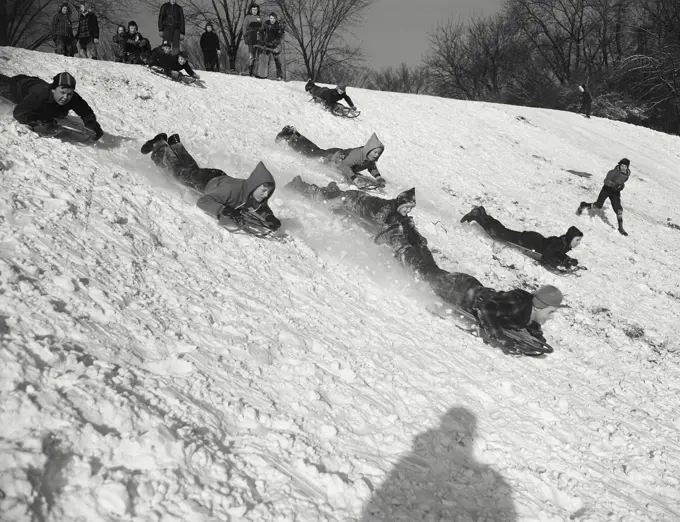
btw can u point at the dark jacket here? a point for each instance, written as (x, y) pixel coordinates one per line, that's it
(271, 34)
(61, 25)
(171, 16)
(616, 179)
(136, 43)
(507, 310)
(209, 41)
(251, 26)
(227, 193)
(352, 161)
(330, 96)
(586, 97)
(88, 26)
(553, 249)
(35, 103)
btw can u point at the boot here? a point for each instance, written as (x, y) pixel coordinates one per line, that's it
(173, 139)
(622, 231)
(148, 146)
(474, 214)
(331, 191)
(296, 184)
(285, 133)
(582, 206)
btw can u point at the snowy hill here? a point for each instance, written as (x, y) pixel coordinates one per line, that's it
(155, 367)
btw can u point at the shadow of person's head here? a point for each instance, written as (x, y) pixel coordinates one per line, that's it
(441, 480)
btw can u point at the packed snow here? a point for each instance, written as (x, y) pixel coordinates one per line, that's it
(156, 367)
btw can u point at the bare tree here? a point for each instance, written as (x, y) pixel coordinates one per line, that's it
(414, 80)
(318, 31)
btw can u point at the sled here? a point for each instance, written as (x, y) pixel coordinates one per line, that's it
(338, 109)
(524, 343)
(538, 259)
(253, 225)
(183, 78)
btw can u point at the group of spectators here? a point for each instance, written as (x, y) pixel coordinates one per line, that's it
(130, 46)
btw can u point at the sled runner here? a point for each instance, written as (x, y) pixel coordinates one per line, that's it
(338, 109)
(183, 78)
(252, 224)
(559, 270)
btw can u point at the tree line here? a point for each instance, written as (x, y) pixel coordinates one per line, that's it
(533, 52)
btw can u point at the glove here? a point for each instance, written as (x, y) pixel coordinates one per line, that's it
(273, 222)
(175, 75)
(353, 108)
(380, 181)
(195, 75)
(362, 181)
(181, 37)
(98, 133)
(573, 262)
(233, 214)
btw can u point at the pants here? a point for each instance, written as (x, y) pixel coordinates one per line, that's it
(531, 240)
(585, 107)
(460, 290)
(171, 34)
(254, 56)
(63, 45)
(179, 162)
(5, 87)
(307, 148)
(608, 193)
(211, 61)
(277, 62)
(87, 48)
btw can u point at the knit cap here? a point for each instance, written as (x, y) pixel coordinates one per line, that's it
(408, 197)
(63, 80)
(546, 296)
(625, 161)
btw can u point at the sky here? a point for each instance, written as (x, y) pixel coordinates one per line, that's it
(394, 31)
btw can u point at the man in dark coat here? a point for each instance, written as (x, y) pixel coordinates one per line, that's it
(210, 45)
(87, 35)
(224, 197)
(329, 97)
(553, 250)
(62, 31)
(586, 100)
(614, 183)
(270, 36)
(40, 104)
(252, 24)
(137, 47)
(350, 162)
(171, 24)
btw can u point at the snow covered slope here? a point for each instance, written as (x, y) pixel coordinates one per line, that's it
(155, 367)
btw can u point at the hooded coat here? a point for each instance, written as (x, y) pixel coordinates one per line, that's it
(227, 193)
(252, 25)
(352, 161)
(36, 104)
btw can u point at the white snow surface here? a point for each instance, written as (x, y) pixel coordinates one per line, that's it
(155, 367)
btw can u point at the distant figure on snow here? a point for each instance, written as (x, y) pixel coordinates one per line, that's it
(87, 35)
(270, 36)
(329, 97)
(348, 161)
(553, 249)
(62, 31)
(586, 100)
(40, 104)
(210, 45)
(224, 197)
(614, 183)
(171, 24)
(252, 24)
(171, 65)
(137, 48)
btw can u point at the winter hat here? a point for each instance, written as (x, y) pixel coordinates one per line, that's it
(546, 296)
(63, 79)
(183, 54)
(132, 23)
(625, 161)
(408, 197)
(209, 25)
(572, 233)
(166, 44)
